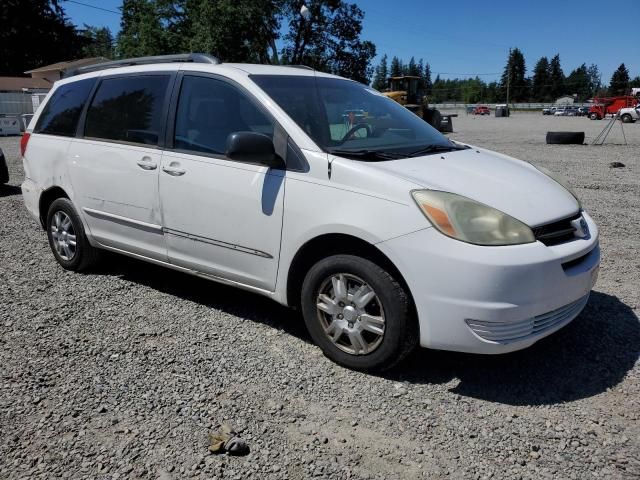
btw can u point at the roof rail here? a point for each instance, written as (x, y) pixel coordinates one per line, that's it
(304, 67)
(182, 57)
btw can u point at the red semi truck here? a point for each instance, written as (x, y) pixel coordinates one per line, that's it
(610, 105)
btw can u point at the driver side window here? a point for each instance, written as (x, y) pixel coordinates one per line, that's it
(209, 110)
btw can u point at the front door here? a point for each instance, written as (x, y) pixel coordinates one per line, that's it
(114, 167)
(220, 217)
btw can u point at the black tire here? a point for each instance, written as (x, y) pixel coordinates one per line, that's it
(84, 256)
(565, 138)
(626, 118)
(401, 327)
(594, 116)
(4, 170)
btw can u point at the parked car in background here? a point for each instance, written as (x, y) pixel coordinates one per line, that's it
(4, 170)
(583, 111)
(390, 235)
(547, 111)
(630, 115)
(571, 111)
(481, 110)
(560, 112)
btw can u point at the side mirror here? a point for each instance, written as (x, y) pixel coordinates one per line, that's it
(253, 147)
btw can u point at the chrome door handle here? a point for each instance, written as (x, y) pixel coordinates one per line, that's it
(147, 164)
(174, 171)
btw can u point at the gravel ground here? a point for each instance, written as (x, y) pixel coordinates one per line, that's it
(122, 372)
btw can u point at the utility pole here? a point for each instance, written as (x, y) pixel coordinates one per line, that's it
(508, 77)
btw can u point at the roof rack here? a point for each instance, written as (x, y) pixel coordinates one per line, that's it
(179, 58)
(304, 67)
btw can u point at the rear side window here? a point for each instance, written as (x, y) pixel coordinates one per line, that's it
(128, 109)
(62, 111)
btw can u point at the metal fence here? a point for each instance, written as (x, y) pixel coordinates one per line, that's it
(513, 106)
(18, 103)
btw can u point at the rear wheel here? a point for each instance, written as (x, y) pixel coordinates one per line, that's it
(67, 238)
(594, 116)
(626, 118)
(358, 313)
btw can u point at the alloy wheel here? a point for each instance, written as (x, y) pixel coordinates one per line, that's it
(64, 235)
(351, 314)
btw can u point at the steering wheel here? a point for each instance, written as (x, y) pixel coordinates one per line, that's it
(354, 129)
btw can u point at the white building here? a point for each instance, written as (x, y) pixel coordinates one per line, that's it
(565, 100)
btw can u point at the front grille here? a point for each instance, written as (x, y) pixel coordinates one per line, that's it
(507, 332)
(556, 232)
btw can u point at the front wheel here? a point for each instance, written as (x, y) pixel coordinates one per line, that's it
(626, 118)
(358, 313)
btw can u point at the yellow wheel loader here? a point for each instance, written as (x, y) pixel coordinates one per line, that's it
(407, 92)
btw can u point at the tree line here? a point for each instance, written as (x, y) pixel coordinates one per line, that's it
(547, 83)
(37, 32)
(328, 37)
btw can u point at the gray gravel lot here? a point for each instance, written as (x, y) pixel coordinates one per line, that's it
(120, 373)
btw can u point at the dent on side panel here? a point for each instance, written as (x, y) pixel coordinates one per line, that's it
(46, 162)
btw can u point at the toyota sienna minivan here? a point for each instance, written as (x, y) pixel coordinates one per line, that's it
(316, 191)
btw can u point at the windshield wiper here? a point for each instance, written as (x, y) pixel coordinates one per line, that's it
(436, 149)
(368, 154)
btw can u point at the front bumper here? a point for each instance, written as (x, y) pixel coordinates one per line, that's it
(493, 299)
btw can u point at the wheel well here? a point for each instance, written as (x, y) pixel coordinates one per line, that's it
(333, 244)
(46, 199)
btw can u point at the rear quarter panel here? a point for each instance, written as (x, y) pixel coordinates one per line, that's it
(45, 162)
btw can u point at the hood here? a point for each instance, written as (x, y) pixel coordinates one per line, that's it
(512, 186)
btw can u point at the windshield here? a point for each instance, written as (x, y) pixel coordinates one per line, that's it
(345, 116)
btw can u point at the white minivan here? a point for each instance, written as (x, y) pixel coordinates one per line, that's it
(316, 191)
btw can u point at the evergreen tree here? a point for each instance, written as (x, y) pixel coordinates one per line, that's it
(556, 78)
(514, 76)
(491, 93)
(412, 68)
(380, 79)
(635, 82)
(396, 67)
(579, 83)
(99, 42)
(595, 79)
(438, 90)
(141, 31)
(619, 84)
(541, 81)
(420, 74)
(428, 84)
(34, 33)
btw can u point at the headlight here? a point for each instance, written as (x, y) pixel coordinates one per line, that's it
(469, 221)
(561, 181)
